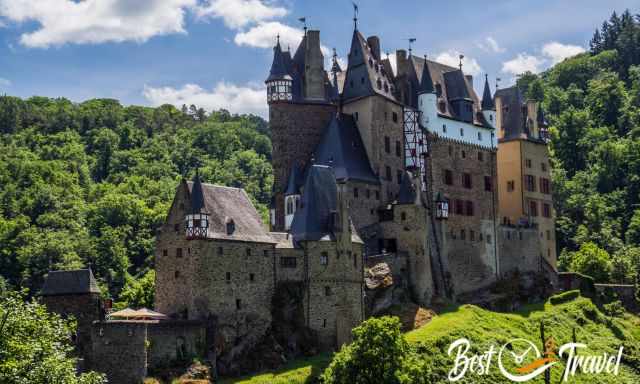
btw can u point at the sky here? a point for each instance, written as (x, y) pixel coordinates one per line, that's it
(217, 53)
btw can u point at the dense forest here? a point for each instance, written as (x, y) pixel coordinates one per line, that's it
(593, 105)
(88, 184)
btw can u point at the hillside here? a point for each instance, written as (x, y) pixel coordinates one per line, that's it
(88, 184)
(484, 328)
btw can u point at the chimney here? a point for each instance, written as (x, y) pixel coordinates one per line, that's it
(314, 71)
(401, 62)
(469, 79)
(374, 44)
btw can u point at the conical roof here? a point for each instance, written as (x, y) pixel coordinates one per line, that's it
(279, 65)
(426, 82)
(197, 197)
(487, 99)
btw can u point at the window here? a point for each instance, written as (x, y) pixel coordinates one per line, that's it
(438, 89)
(355, 193)
(176, 274)
(251, 277)
(356, 116)
(530, 183)
(324, 323)
(231, 226)
(220, 251)
(394, 117)
(511, 185)
(355, 260)
(488, 239)
(176, 227)
(459, 207)
(488, 185)
(228, 276)
(463, 234)
(450, 151)
(238, 303)
(178, 252)
(324, 258)
(379, 84)
(546, 210)
(448, 177)
(403, 216)
(479, 136)
(398, 149)
(387, 144)
(248, 252)
(386, 116)
(377, 195)
(461, 131)
(399, 176)
(480, 156)
(548, 235)
(388, 172)
(327, 290)
(165, 252)
(533, 208)
(288, 262)
(362, 80)
(463, 154)
(466, 180)
(545, 186)
(469, 208)
(528, 163)
(444, 128)
(367, 193)
(472, 235)
(543, 166)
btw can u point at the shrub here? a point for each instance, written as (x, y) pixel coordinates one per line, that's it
(564, 297)
(614, 309)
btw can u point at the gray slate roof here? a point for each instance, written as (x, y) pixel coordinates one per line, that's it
(295, 181)
(226, 203)
(280, 65)
(311, 221)
(362, 65)
(80, 281)
(197, 197)
(487, 99)
(513, 119)
(342, 149)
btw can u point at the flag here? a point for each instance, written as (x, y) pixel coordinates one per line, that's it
(412, 40)
(302, 19)
(355, 7)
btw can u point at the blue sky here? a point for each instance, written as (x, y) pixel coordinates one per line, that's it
(216, 53)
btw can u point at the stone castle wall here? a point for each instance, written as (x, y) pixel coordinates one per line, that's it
(519, 250)
(468, 240)
(363, 204)
(120, 351)
(296, 130)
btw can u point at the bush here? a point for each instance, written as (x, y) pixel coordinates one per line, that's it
(564, 297)
(614, 309)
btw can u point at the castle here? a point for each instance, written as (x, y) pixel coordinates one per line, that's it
(369, 163)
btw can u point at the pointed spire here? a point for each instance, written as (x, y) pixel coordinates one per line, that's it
(278, 66)
(487, 99)
(355, 16)
(336, 66)
(197, 197)
(426, 82)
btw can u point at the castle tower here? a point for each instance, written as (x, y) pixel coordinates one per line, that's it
(299, 110)
(524, 170)
(488, 106)
(427, 98)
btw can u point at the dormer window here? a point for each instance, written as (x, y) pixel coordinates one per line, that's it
(231, 226)
(379, 83)
(370, 63)
(386, 87)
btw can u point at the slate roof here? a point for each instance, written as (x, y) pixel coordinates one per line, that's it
(226, 203)
(426, 82)
(487, 99)
(459, 86)
(295, 181)
(280, 65)
(364, 66)
(80, 281)
(320, 194)
(197, 197)
(407, 194)
(342, 149)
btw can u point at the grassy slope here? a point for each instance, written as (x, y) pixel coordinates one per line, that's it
(484, 328)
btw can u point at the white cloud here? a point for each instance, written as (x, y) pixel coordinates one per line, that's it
(557, 52)
(264, 35)
(238, 13)
(491, 45)
(523, 63)
(452, 58)
(234, 98)
(5, 83)
(95, 21)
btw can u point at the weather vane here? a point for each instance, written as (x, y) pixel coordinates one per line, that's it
(411, 41)
(303, 20)
(355, 15)
(460, 57)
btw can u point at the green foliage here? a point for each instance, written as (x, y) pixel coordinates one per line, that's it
(34, 345)
(564, 297)
(592, 261)
(614, 309)
(138, 293)
(379, 354)
(88, 184)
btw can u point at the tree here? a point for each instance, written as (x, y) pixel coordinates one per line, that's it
(138, 293)
(35, 345)
(592, 261)
(379, 354)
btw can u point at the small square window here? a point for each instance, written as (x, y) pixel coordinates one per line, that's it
(355, 193)
(528, 163)
(461, 131)
(176, 274)
(444, 128)
(248, 251)
(394, 117)
(265, 253)
(480, 156)
(479, 136)
(165, 252)
(324, 258)
(327, 291)
(178, 252)
(238, 304)
(463, 154)
(228, 276)
(251, 277)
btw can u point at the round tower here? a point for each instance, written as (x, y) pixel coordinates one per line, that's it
(427, 98)
(488, 106)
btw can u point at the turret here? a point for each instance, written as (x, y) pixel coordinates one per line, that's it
(197, 220)
(292, 196)
(279, 83)
(427, 98)
(488, 106)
